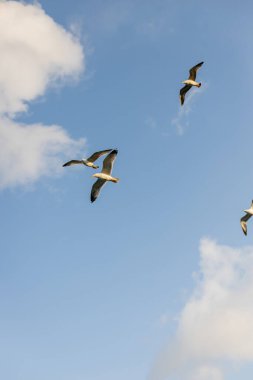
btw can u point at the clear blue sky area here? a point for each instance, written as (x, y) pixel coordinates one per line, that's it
(83, 286)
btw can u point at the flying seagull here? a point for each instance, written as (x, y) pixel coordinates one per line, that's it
(88, 161)
(246, 217)
(190, 81)
(104, 176)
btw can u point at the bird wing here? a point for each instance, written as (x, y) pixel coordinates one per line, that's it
(243, 222)
(72, 162)
(95, 190)
(183, 91)
(109, 161)
(193, 71)
(96, 155)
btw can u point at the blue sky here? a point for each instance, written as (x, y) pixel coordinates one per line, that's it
(99, 291)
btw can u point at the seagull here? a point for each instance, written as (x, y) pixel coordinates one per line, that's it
(88, 161)
(190, 81)
(246, 217)
(104, 176)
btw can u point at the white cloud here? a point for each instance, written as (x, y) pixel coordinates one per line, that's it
(29, 152)
(207, 373)
(36, 53)
(215, 325)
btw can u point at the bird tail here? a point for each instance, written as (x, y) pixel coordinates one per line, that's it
(95, 167)
(199, 85)
(115, 180)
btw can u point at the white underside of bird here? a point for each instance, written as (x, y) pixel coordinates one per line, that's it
(192, 83)
(249, 211)
(106, 177)
(89, 164)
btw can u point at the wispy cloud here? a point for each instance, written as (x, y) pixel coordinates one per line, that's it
(180, 121)
(36, 53)
(215, 325)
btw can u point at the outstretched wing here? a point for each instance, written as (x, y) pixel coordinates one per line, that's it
(183, 91)
(96, 188)
(243, 222)
(96, 155)
(109, 161)
(72, 162)
(193, 71)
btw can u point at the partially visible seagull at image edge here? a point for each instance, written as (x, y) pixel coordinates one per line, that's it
(245, 218)
(105, 175)
(190, 81)
(88, 161)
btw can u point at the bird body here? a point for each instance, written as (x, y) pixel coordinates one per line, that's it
(83, 161)
(89, 164)
(88, 161)
(246, 217)
(190, 82)
(249, 211)
(104, 176)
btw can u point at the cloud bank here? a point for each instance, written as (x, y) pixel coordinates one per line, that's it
(215, 326)
(36, 53)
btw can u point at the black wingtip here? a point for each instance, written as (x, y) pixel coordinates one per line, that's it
(244, 230)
